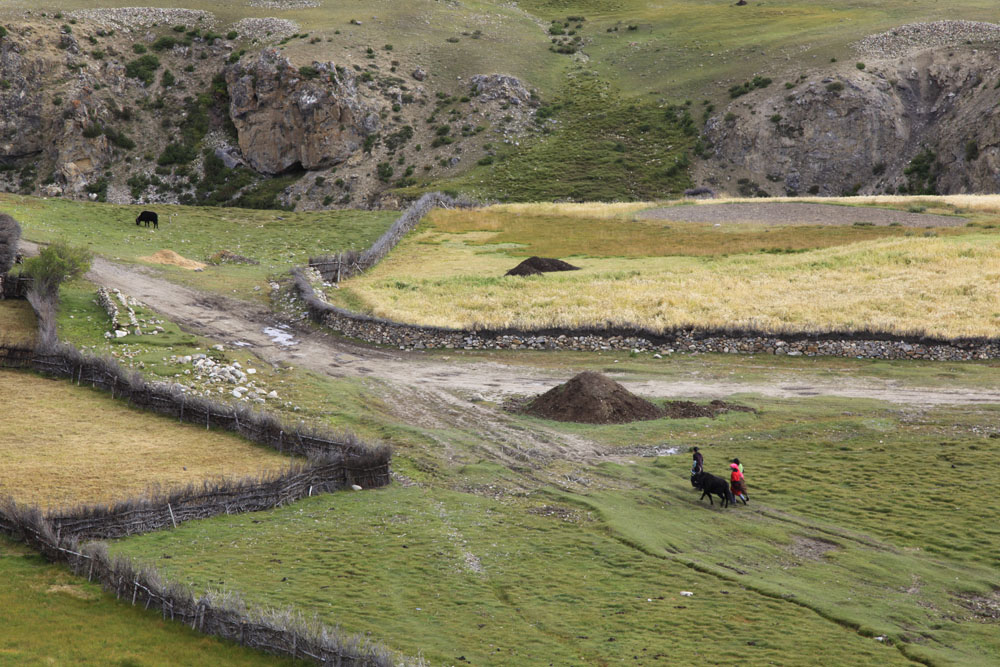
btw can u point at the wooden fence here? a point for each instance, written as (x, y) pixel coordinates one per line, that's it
(13, 287)
(278, 633)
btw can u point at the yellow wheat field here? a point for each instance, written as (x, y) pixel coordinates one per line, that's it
(62, 445)
(941, 285)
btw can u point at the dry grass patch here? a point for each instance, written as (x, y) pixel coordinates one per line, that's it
(943, 285)
(63, 445)
(17, 322)
(562, 236)
(592, 210)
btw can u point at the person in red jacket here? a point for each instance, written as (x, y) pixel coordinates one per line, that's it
(737, 484)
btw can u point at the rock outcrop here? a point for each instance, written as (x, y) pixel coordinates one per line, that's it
(927, 122)
(287, 118)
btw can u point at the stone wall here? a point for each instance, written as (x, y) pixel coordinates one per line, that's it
(405, 336)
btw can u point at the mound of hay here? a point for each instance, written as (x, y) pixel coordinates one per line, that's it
(534, 266)
(592, 398)
(173, 259)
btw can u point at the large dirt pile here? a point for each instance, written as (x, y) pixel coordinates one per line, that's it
(534, 266)
(592, 398)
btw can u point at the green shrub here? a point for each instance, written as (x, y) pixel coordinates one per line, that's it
(308, 72)
(835, 86)
(164, 43)
(54, 264)
(384, 170)
(971, 150)
(167, 79)
(232, 34)
(142, 68)
(139, 48)
(176, 153)
(3, 32)
(860, 65)
(776, 118)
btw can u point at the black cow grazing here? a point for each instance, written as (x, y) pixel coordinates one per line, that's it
(148, 217)
(710, 484)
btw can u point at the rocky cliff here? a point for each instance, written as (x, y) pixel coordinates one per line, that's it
(288, 118)
(925, 122)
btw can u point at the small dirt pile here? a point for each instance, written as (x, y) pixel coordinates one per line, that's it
(173, 259)
(689, 410)
(534, 266)
(592, 398)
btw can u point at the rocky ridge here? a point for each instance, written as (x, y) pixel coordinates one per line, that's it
(917, 125)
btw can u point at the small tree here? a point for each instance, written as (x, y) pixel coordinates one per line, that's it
(10, 234)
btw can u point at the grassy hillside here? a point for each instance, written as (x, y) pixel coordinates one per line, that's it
(648, 56)
(647, 273)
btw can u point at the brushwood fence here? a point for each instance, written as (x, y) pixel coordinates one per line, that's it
(14, 287)
(340, 266)
(280, 633)
(333, 462)
(259, 427)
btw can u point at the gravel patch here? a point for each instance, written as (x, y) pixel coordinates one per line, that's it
(774, 213)
(283, 4)
(124, 19)
(914, 36)
(266, 29)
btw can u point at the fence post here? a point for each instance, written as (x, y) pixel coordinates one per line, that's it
(172, 519)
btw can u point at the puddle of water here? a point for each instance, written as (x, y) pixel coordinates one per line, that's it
(240, 343)
(279, 337)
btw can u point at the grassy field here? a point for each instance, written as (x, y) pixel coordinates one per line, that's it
(645, 273)
(52, 617)
(278, 240)
(858, 528)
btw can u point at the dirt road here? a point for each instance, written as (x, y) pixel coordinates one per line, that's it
(253, 326)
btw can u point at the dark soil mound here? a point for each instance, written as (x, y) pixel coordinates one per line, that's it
(689, 410)
(536, 265)
(591, 398)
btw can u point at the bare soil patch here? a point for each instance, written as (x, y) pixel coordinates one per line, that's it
(812, 548)
(791, 213)
(691, 410)
(534, 266)
(984, 608)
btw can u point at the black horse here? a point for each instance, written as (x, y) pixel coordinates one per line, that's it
(148, 217)
(710, 484)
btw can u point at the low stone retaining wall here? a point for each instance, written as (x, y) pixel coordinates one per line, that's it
(871, 346)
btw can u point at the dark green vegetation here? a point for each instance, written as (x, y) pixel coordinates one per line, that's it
(602, 146)
(53, 617)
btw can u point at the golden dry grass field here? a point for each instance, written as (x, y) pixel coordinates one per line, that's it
(63, 445)
(17, 322)
(639, 272)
